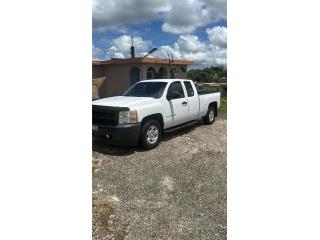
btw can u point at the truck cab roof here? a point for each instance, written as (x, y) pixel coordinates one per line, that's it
(165, 80)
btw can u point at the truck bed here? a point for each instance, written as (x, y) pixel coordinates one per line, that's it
(206, 91)
(205, 99)
(203, 92)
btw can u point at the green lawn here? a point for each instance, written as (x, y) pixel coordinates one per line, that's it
(223, 105)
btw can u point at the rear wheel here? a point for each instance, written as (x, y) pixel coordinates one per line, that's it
(150, 134)
(210, 116)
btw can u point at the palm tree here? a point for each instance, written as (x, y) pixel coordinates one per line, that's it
(214, 76)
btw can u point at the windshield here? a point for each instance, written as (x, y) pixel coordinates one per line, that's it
(147, 89)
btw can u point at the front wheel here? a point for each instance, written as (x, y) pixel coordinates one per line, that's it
(210, 117)
(150, 134)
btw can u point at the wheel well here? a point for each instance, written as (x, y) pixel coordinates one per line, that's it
(215, 107)
(157, 116)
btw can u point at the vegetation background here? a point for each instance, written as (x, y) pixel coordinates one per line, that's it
(211, 74)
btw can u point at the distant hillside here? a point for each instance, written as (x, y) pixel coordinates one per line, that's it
(211, 74)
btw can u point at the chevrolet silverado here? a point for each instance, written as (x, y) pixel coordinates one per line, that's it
(149, 108)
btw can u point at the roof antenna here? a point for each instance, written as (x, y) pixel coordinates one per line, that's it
(132, 48)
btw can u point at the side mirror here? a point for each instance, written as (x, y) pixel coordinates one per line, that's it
(173, 95)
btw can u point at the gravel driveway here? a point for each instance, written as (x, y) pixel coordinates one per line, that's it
(176, 191)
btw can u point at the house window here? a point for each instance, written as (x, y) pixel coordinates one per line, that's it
(162, 73)
(151, 73)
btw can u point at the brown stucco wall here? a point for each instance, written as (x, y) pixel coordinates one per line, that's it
(118, 78)
(97, 71)
(178, 71)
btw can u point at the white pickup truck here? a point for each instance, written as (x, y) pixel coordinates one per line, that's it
(149, 108)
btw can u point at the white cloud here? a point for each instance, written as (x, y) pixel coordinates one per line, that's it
(186, 16)
(179, 17)
(204, 54)
(190, 43)
(96, 52)
(163, 52)
(120, 47)
(110, 14)
(217, 9)
(188, 47)
(218, 36)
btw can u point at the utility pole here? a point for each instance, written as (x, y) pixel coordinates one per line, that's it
(170, 62)
(132, 48)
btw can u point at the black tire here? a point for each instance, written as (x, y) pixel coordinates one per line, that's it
(209, 119)
(145, 140)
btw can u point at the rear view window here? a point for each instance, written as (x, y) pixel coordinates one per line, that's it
(189, 88)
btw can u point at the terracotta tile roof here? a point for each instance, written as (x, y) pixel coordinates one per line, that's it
(140, 60)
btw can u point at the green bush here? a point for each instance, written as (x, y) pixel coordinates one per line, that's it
(223, 105)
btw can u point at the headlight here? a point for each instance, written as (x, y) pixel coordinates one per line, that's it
(127, 117)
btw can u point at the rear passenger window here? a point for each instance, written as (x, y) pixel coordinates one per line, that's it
(189, 88)
(176, 87)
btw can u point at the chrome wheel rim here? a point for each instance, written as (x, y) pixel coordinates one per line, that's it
(211, 115)
(152, 134)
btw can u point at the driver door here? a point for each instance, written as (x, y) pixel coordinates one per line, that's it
(176, 110)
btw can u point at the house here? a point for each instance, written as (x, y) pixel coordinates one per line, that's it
(120, 74)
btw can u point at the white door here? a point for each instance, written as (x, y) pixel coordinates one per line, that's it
(176, 105)
(193, 101)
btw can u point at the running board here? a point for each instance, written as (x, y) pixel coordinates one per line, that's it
(176, 128)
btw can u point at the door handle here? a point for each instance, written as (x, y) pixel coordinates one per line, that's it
(184, 103)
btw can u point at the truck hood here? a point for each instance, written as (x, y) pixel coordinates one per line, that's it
(123, 101)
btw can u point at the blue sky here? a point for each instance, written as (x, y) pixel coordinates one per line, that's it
(191, 29)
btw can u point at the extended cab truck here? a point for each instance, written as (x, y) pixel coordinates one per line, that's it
(149, 108)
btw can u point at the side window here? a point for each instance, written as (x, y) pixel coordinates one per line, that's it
(189, 88)
(175, 87)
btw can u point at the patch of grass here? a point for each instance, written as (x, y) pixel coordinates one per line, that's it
(103, 211)
(103, 226)
(223, 105)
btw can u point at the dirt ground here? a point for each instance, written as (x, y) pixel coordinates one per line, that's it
(176, 191)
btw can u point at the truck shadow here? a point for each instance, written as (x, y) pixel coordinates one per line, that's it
(181, 132)
(101, 146)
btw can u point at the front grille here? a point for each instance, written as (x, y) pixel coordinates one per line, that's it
(104, 115)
